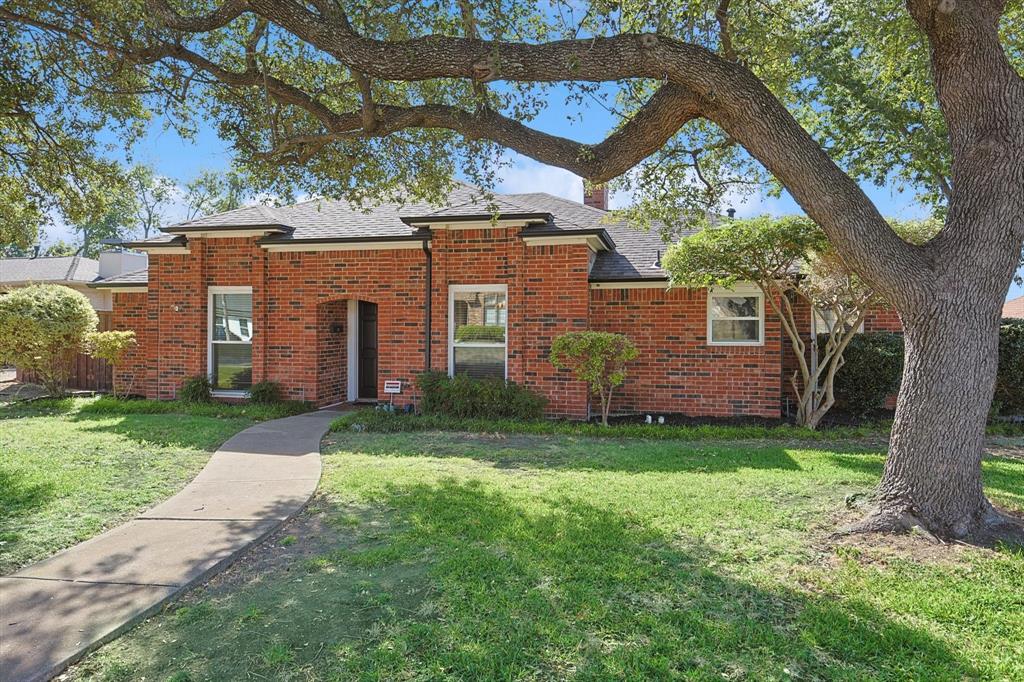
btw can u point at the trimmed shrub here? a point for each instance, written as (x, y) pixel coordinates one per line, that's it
(465, 397)
(266, 393)
(871, 372)
(598, 358)
(110, 346)
(42, 328)
(196, 389)
(1009, 395)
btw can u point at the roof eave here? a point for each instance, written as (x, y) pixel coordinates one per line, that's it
(270, 228)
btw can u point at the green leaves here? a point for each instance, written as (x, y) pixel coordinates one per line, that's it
(42, 327)
(598, 358)
(756, 250)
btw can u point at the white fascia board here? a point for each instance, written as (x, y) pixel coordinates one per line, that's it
(592, 241)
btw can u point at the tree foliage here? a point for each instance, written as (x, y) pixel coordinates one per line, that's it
(42, 328)
(385, 99)
(791, 261)
(214, 192)
(598, 358)
(110, 346)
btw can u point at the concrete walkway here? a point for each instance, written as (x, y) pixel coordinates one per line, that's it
(55, 611)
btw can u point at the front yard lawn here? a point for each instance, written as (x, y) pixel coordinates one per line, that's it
(71, 469)
(526, 557)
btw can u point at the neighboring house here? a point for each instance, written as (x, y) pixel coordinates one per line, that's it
(332, 302)
(1014, 309)
(74, 272)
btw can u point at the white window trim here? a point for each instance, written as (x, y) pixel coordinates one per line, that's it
(473, 288)
(746, 290)
(210, 293)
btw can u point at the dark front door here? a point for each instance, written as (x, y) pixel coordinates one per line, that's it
(367, 350)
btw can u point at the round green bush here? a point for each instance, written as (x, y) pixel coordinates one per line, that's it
(42, 327)
(871, 372)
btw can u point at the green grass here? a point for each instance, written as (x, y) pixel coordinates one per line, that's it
(379, 421)
(524, 557)
(73, 468)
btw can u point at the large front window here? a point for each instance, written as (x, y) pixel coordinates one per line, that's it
(478, 319)
(231, 338)
(735, 317)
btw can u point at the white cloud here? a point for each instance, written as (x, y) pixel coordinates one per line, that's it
(524, 175)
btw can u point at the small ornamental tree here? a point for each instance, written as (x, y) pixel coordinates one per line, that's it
(42, 328)
(790, 260)
(598, 358)
(110, 346)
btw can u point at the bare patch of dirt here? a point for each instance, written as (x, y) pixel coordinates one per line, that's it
(311, 533)
(881, 549)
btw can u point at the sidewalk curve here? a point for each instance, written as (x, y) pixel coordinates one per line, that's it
(55, 611)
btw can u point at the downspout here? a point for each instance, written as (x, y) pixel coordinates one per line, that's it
(426, 305)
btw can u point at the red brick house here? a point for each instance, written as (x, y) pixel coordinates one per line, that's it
(332, 302)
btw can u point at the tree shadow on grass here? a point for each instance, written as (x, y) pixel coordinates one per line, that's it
(1003, 474)
(165, 430)
(509, 590)
(19, 496)
(563, 453)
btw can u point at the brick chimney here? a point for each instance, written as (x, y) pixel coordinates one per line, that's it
(596, 196)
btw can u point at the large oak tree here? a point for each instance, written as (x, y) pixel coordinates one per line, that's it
(364, 98)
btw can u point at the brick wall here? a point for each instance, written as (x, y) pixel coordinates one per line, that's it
(131, 376)
(677, 371)
(299, 296)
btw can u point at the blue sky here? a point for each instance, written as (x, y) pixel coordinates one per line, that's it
(182, 160)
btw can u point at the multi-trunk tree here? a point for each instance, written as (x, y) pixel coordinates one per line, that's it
(361, 98)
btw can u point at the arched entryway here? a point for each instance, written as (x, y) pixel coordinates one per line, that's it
(347, 364)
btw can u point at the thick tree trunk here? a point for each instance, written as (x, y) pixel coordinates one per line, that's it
(932, 476)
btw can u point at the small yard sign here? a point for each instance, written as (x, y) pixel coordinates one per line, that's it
(394, 386)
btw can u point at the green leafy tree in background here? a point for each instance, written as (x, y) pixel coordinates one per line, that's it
(598, 358)
(42, 328)
(118, 223)
(387, 100)
(214, 192)
(153, 194)
(60, 248)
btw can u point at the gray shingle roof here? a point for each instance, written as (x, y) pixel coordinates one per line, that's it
(633, 257)
(48, 269)
(135, 278)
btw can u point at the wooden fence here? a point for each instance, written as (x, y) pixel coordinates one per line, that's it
(87, 373)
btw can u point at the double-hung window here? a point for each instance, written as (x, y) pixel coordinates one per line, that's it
(735, 316)
(477, 325)
(231, 333)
